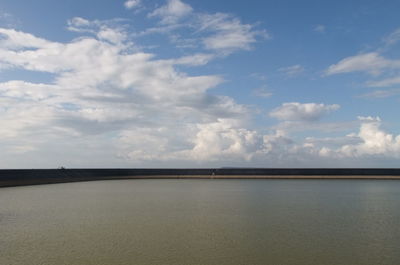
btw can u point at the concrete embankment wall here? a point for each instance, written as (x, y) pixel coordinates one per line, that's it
(15, 177)
(311, 171)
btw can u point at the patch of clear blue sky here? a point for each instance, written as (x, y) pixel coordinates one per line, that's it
(29, 76)
(350, 27)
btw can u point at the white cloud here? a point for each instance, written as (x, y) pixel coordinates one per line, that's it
(316, 126)
(292, 71)
(320, 28)
(374, 141)
(382, 93)
(263, 92)
(172, 12)
(28, 91)
(219, 32)
(112, 35)
(7, 20)
(108, 30)
(21, 149)
(141, 144)
(127, 106)
(372, 63)
(78, 22)
(328, 142)
(130, 4)
(277, 143)
(385, 82)
(259, 76)
(11, 39)
(221, 139)
(103, 87)
(308, 112)
(376, 64)
(369, 142)
(393, 37)
(195, 60)
(228, 33)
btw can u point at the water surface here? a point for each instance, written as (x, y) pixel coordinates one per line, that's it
(201, 222)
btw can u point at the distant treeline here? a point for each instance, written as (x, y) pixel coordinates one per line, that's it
(13, 177)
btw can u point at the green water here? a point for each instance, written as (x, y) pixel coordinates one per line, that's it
(201, 222)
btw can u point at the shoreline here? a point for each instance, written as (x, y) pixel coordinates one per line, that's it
(58, 180)
(22, 177)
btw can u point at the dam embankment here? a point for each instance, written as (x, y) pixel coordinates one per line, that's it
(19, 177)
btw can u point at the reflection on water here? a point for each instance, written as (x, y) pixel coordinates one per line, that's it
(249, 222)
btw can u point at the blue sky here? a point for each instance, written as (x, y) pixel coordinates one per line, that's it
(143, 83)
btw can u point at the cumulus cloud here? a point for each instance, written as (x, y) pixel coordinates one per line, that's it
(147, 144)
(277, 143)
(295, 111)
(374, 141)
(105, 96)
(221, 139)
(172, 11)
(316, 126)
(103, 87)
(370, 142)
(227, 141)
(327, 143)
(18, 89)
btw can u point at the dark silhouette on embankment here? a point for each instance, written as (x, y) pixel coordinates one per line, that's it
(18, 177)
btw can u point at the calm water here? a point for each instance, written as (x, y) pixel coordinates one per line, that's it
(201, 222)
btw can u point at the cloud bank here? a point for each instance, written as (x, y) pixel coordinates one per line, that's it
(108, 102)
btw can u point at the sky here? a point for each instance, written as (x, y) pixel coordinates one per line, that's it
(173, 83)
